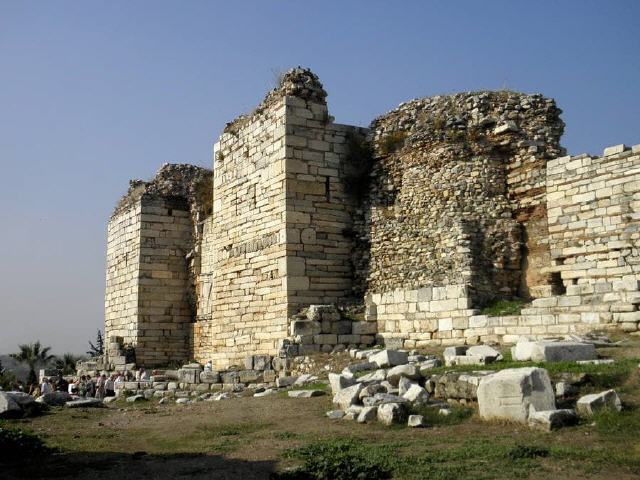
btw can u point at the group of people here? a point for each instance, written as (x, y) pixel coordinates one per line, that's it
(100, 386)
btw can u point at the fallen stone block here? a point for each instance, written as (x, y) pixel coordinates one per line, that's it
(335, 414)
(265, 393)
(367, 414)
(599, 361)
(416, 394)
(403, 385)
(360, 367)
(305, 393)
(382, 398)
(427, 365)
(389, 358)
(564, 352)
(589, 404)
(454, 351)
(85, 403)
(135, 398)
(339, 382)
(552, 419)
(14, 404)
(466, 360)
(371, 389)
(565, 389)
(55, 398)
(377, 376)
(416, 421)
(348, 396)
(285, 381)
(305, 327)
(512, 394)
(457, 386)
(390, 413)
(484, 351)
(546, 351)
(409, 371)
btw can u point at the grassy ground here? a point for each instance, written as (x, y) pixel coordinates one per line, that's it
(277, 437)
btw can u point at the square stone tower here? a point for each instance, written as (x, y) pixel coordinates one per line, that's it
(278, 236)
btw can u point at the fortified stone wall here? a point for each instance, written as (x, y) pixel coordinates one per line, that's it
(457, 187)
(151, 251)
(280, 212)
(441, 206)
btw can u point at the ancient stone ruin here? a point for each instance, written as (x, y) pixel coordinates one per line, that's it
(397, 234)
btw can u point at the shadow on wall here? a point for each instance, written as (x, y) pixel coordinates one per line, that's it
(123, 466)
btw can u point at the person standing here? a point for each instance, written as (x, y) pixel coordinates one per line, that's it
(45, 387)
(109, 387)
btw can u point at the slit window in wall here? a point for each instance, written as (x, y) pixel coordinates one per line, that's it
(327, 188)
(170, 212)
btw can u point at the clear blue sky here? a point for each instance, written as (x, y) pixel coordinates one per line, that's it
(95, 93)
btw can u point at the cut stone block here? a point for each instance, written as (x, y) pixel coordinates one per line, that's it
(408, 371)
(553, 419)
(514, 393)
(339, 382)
(348, 396)
(389, 358)
(367, 414)
(417, 421)
(589, 404)
(390, 413)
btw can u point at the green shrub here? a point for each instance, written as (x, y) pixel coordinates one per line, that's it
(391, 142)
(502, 308)
(337, 460)
(19, 445)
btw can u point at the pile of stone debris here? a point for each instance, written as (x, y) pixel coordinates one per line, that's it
(395, 382)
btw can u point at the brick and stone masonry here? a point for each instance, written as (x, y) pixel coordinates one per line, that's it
(441, 206)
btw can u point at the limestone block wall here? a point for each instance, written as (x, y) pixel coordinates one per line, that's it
(277, 239)
(594, 238)
(423, 316)
(164, 312)
(123, 260)
(320, 210)
(152, 256)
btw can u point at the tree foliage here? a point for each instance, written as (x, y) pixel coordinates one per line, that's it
(66, 364)
(33, 354)
(96, 349)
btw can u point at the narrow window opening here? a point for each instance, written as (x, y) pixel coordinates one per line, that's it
(327, 188)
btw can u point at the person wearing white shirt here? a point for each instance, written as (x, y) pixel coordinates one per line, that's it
(45, 387)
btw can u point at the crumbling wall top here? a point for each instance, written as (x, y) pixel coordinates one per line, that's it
(172, 180)
(296, 82)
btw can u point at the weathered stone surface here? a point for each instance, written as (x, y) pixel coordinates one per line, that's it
(490, 354)
(335, 414)
(552, 419)
(55, 398)
(10, 405)
(389, 358)
(377, 376)
(416, 394)
(339, 382)
(367, 414)
(305, 393)
(458, 385)
(382, 398)
(286, 381)
(347, 396)
(209, 377)
(545, 351)
(85, 403)
(589, 404)
(404, 384)
(409, 371)
(390, 413)
(135, 398)
(371, 389)
(417, 421)
(512, 394)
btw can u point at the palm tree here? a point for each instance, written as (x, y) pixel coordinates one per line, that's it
(33, 354)
(67, 363)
